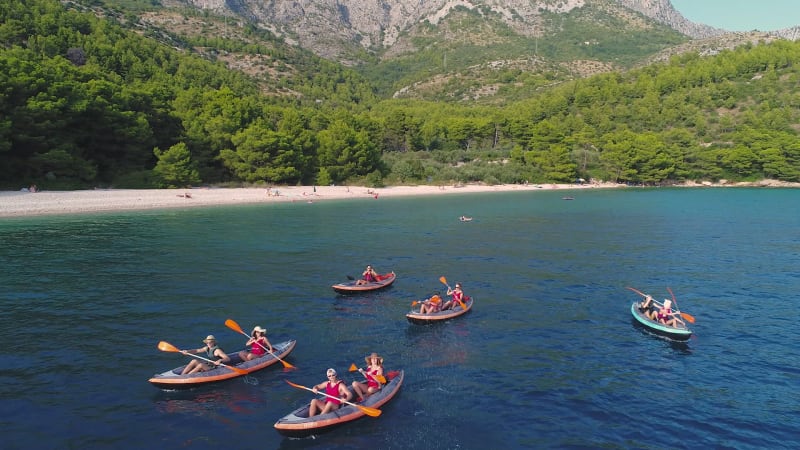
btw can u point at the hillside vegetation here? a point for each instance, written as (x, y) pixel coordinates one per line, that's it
(87, 99)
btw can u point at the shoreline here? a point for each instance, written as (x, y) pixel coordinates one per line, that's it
(25, 204)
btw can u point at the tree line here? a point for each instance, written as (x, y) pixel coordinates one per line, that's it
(85, 101)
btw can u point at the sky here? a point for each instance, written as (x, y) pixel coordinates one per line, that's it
(741, 15)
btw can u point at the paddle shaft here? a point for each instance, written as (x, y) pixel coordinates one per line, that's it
(367, 410)
(230, 323)
(235, 369)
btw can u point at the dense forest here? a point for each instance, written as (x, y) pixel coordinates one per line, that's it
(87, 101)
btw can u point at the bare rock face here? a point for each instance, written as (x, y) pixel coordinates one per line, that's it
(663, 12)
(339, 29)
(328, 27)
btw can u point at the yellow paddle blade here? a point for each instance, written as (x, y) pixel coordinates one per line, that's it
(167, 347)
(381, 378)
(353, 367)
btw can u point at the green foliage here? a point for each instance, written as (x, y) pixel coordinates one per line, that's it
(85, 102)
(175, 167)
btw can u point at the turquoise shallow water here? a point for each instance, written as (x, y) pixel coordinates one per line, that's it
(549, 358)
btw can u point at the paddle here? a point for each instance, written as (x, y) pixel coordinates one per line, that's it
(380, 378)
(372, 412)
(689, 318)
(350, 278)
(230, 323)
(167, 347)
(444, 281)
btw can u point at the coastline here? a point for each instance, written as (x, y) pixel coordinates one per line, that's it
(23, 204)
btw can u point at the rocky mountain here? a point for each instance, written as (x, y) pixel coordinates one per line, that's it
(467, 49)
(339, 29)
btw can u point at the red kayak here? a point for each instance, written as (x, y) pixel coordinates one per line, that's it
(350, 287)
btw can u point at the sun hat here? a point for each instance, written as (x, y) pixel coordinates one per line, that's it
(259, 329)
(210, 337)
(667, 304)
(331, 372)
(368, 359)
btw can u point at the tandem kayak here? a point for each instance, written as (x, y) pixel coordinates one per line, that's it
(441, 316)
(353, 286)
(680, 333)
(298, 424)
(172, 379)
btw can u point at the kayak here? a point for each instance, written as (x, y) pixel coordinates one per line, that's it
(172, 379)
(441, 316)
(679, 333)
(353, 286)
(298, 424)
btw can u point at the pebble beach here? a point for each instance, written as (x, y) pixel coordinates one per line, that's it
(23, 203)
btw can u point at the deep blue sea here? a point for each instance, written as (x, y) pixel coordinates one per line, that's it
(548, 358)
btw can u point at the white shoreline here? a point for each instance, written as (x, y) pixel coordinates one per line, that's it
(21, 204)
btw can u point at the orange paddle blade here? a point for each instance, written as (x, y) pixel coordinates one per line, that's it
(299, 386)
(443, 279)
(689, 318)
(372, 412)
(286, 365)
(230, 323)
(381, 378)
(167, 347)
(463, 305)
(236, 369)
(353, 367)
(637, 291)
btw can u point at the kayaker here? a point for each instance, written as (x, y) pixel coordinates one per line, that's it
(431, 305)
(333, 387)
(259, 345)
(212, 351)
(368, 276)
(458, 297)
(666, 316)
(373, 371)
(647, 307)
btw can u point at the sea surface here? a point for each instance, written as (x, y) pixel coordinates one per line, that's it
(548, 358)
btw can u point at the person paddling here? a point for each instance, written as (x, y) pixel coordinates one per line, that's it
(213, 352)
(335, 388)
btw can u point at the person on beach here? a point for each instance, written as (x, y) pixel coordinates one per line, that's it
(372, 373)
(368, 276)
(212, 351)
(458, 297)
(431, 305)
(259, 345)
(333, 387)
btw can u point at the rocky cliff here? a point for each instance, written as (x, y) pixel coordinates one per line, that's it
(337, 28)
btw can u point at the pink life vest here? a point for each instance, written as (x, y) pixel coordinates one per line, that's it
(333, 391)
(256, 349)
(371, 380)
